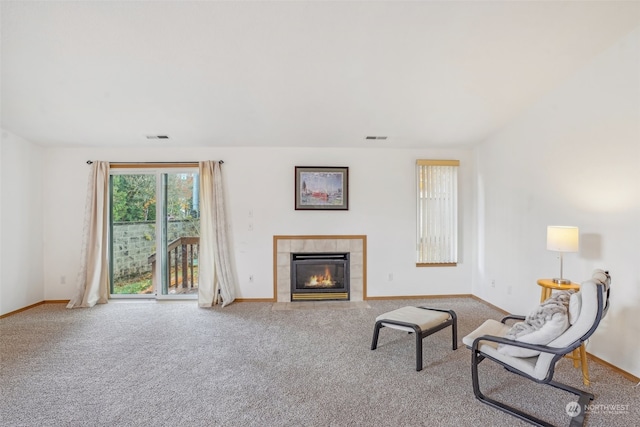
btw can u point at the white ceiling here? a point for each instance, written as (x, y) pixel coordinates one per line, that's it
(294, 73)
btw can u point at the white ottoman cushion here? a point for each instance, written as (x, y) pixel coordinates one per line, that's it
(424, 318)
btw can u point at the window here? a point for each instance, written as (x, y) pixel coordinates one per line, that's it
(437, 212)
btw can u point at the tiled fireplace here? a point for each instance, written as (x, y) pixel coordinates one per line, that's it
(354, 246)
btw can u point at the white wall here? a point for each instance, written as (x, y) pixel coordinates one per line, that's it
(571, 159)
(21, 269)
(381, 206)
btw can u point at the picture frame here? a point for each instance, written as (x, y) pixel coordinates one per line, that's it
(322, 188)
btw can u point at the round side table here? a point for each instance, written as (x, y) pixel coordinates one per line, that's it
(579, 355)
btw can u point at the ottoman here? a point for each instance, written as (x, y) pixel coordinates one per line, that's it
(422, 321)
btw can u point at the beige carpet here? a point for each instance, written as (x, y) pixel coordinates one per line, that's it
(248, 364)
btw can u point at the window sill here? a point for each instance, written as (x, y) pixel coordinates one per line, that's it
(436, 264)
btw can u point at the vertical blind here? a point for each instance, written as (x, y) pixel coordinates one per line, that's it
(437, 213)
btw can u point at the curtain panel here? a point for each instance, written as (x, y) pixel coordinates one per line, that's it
(93, 277)
(217, 278)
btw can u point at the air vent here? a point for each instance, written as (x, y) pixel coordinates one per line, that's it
(376, 137)
(157, 136)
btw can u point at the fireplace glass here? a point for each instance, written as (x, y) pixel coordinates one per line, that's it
(319, 276)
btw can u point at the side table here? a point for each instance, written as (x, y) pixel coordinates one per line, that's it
(579, 355)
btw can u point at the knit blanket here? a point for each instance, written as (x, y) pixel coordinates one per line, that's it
(555, 308)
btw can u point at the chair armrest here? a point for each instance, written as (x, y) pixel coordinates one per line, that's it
(540, 348)
(512, 317)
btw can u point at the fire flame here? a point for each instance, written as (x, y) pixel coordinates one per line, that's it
(321, 279)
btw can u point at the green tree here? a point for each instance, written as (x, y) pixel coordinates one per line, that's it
(134, 198)
(180, 196)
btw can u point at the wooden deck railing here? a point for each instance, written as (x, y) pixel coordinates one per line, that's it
(181, 254)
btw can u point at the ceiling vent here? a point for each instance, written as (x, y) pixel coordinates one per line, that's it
(376, 137)
(157, 136)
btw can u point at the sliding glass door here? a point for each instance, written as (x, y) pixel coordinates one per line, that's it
(155, 229)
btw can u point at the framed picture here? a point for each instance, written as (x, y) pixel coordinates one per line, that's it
(322, 188)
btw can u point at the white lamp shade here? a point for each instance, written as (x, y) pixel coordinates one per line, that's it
(562, 239)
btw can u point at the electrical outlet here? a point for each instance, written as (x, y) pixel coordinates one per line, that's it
(251, 278)
(391, 277)
(509, 290)
(493, 283)
(63, 280)
(250, 226)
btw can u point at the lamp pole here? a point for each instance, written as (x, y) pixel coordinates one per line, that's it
(561, 280)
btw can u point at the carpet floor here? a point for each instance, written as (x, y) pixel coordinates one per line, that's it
(173, 364)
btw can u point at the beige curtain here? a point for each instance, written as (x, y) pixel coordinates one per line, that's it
(217, 279)
(93, 278)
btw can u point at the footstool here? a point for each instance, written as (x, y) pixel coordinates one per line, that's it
(423, 321)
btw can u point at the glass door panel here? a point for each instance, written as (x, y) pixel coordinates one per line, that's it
(133, 234)
(181, 234)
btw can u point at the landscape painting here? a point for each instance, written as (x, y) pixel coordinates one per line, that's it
(322, 188)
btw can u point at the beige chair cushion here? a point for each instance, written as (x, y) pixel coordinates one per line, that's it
(575, 305)
(424, 318)
(489, 327)
(499, 329)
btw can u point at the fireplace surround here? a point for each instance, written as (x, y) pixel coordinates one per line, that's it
(284, 245)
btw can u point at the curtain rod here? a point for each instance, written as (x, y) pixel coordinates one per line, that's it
(149, 163)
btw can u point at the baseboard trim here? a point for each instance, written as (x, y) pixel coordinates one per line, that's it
(254, 300)
(488, 304)
(380, 298)
(369, 298)
(625, 374)
(20, 310)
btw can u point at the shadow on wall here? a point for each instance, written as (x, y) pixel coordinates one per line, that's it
(620, 331)
(591, 246)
